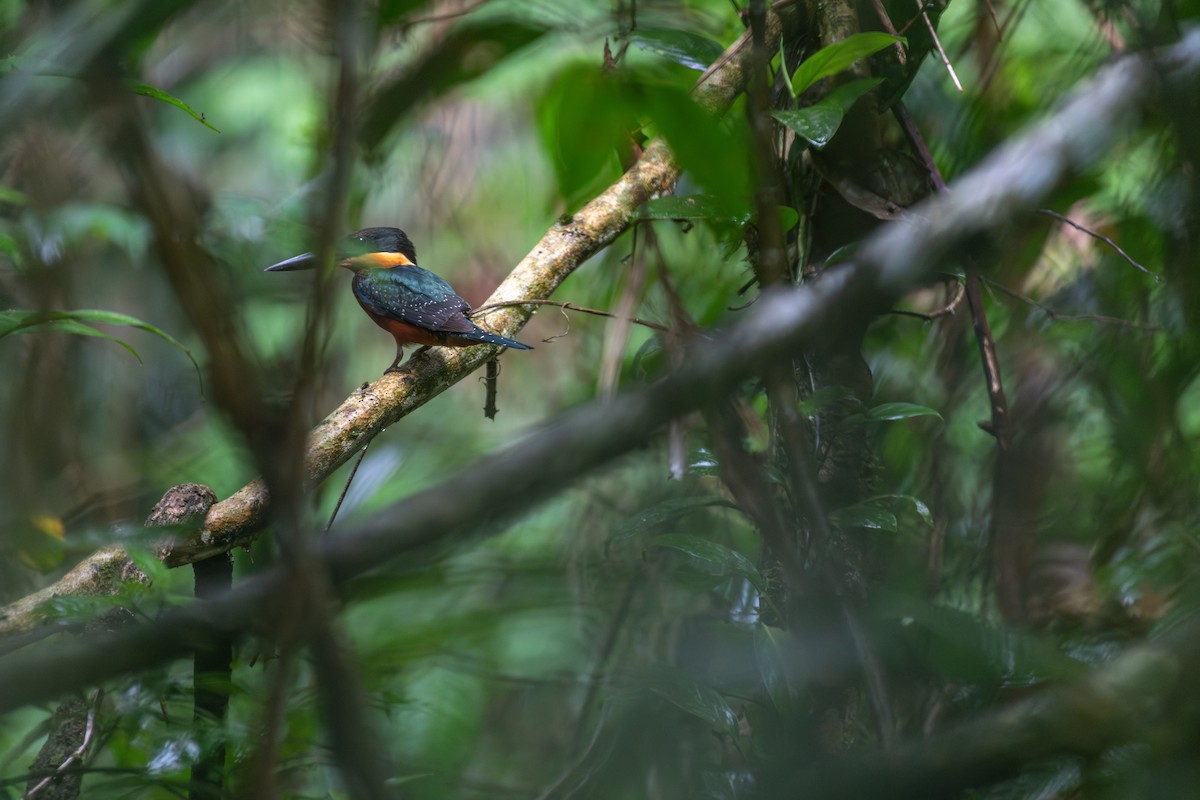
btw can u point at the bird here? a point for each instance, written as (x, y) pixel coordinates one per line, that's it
(411, 303)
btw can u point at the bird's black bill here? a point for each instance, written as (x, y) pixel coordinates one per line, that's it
(302, 261)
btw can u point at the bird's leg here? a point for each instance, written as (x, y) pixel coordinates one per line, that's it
(395, 367)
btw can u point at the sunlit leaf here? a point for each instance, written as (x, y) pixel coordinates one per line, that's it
(836, 57)
(682, 47)
(715, 557)
(666, 510)
(895, 411)
(146, 90)
(819, 122)
(863, 515)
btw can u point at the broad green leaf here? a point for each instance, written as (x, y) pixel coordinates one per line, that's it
(717, 558)
(836, 57)
(819, 122)
(584, 117)
(666, 510)
(864, 516)
(699, 701)
(682, 47)
(79, 322)
(894, 411)
(710, 149)
(146, 90)
(697, 206)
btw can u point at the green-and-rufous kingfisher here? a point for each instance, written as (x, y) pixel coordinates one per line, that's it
(412, 304)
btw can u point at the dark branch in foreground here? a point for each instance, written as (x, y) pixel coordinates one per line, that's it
(899, 256)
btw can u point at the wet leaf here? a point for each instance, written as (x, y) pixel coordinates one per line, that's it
(698, 700)
(697, 206)
(682, 47)
(716, 558)
(895, 411)
(864, 516)
(666, 510)
(819, 122)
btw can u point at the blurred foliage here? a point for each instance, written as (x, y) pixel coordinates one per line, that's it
(631, 637)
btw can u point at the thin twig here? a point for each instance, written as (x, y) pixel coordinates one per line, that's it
(349, 478)
(1057, 317)
(1095, 235)
(569, 307)
(947, 310)
(938, 44)
(998, 425)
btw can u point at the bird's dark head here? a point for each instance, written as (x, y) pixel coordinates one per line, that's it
(383, 240)
(370, 248)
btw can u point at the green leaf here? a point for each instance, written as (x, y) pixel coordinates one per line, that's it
(79, 322)
(697, 206)
(12, 196)
(698, 700)
(836, 57)
(716, 558)
(864, 516)
(682, 47)
(918, 506)
(146, 90)
(666, 510)
(709, 148)
(894, 411)
(788, 217)
(819, 122)
(584, 118)
(772, 666)
(822, 397)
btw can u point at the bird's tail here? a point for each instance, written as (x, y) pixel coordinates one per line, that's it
(480, 335)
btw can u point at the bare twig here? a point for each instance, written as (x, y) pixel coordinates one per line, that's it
(997, 426)
(938, 44)
(346, 487)
(1058, 317)
(945, 311)
(1095, 235)
(567, 306)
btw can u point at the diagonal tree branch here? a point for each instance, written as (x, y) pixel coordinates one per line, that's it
(899, 255)
(368, 411)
